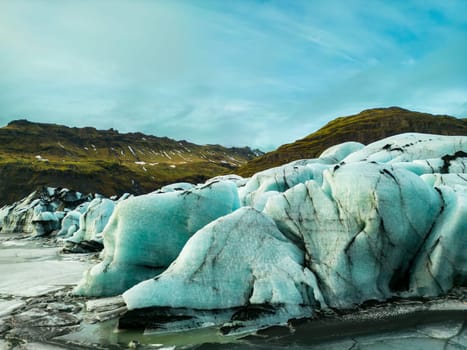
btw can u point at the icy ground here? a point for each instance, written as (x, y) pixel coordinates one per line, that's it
(37, 312)
(35, 303)
(29, 270)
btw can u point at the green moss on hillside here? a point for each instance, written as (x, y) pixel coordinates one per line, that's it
(103, 161)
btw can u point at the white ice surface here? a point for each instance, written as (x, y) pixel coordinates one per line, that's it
(8, 306)
(92, 222)
(146, 233)
(257, 190)
(30, 279)
(179, 186)
(238, 259)
(360, 227)
(409, 147)
(338, 152)
(442, 261)
(31, 271)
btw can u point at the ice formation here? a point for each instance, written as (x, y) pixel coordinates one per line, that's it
(45, 222)
(337, 153)
(263, 185)
(239, 259)
(93, 220)
(26, 216)
(70, 223)
(76, 218)
(179, 186)
(442, 261)
(146, 233)
(357, 223)
(18, 216)
(409, 147)
(359, 228)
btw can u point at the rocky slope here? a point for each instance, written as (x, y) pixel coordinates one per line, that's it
(103, 161)
(365, 127)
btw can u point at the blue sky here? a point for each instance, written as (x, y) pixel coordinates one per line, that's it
(257, 73)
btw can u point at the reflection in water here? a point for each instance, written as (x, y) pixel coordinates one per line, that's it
(106, 333)
(445, 330)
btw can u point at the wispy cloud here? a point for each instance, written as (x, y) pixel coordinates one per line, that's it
(241, 72)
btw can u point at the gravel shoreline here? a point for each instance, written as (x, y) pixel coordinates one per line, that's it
(38, 322)
(41, 319)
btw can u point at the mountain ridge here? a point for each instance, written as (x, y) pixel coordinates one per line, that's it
(103, 161)
(33, 155)
(367, 126)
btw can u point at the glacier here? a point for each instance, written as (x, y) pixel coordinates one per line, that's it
(40, 212)
(93, 220)
(71, 221)
(263, 268)
(442, 261)
(359, 228)
(146, 233)
(357, 223)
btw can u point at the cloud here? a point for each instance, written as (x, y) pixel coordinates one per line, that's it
(260, 73)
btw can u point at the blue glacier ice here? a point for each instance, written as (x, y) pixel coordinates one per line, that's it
(26, 216)
(442, 260)
(71, 221)
(358, 223)
(359, 227)
(264, 184)
(93, 221)
(146, 233)
(239, 259)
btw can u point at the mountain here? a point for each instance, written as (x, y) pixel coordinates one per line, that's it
(365, 127)
(104, 161)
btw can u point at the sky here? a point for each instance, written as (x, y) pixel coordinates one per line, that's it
(258, 73)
